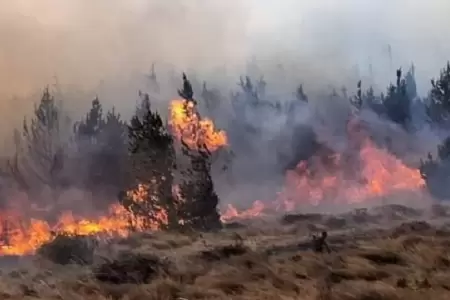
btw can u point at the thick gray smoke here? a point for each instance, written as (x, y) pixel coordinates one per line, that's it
(85, 42)
(106, 47)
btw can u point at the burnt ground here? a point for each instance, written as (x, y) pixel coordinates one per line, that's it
(392, 252)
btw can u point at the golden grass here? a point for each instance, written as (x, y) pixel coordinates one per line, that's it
(259, 263)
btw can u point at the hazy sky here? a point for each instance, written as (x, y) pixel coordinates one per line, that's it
(83, 42)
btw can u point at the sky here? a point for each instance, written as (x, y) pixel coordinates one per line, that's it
(86, 43)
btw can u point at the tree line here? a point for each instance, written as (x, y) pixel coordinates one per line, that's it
(108, 155)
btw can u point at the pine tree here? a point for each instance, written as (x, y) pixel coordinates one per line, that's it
(199, 199)
(411, 85)
(357, 101)
(39, 157)
(108, 166)
(152, 156)
(211, 98)
(439, 98)
(153, 80)
(144, 105)
(300, 94)
(397, 103)
(93, 124)
(102, 146)
(436, 171)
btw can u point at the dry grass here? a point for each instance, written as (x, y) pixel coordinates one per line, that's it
(272, 261)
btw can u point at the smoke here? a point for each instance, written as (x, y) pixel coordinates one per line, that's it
(105, 47)
(341, 41)
(84, 42)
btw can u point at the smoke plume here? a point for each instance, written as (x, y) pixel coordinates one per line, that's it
(106, 48)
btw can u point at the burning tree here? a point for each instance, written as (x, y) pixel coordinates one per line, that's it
(39, 156)
(197, 191)
(152, 157)
(199, 199)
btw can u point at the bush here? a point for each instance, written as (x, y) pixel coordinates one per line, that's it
(224, 252)
(131, 268)
(69, 249)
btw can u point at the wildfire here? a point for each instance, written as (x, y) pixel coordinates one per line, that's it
(21, 237)
(366, 173)
(187, 125)
(313, 182)
(380, 174)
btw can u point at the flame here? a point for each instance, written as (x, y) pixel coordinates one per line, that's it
(366, 172)
(380, 174)
(187, 125)
(159, 215)
(232, 213)
(22, 236)
(312, 182)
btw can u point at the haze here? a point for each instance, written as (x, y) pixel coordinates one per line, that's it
(84, 43)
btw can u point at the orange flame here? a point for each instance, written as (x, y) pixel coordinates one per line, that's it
(314, 183)
(381, 173)
(21, 237)
(188, 126)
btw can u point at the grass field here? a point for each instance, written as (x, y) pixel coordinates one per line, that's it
(392, 252)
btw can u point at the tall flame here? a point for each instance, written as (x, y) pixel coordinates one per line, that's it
(370, 173)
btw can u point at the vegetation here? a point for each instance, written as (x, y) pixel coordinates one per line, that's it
(152, 160)
(200, 201)
(40, 149)
(141, 159)
(68, 249)
(407, 261)
(439, 98)
(101, 145)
